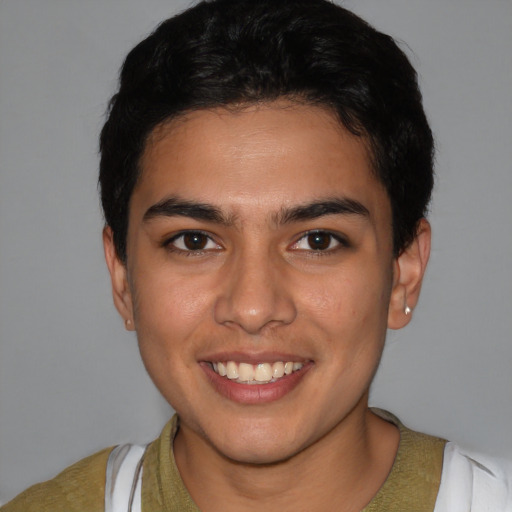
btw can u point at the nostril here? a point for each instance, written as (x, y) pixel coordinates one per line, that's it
(254, 296)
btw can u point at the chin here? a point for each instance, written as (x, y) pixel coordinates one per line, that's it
(258, 453)
(253, 444)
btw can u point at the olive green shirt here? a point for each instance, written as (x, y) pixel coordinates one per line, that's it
(412, 484)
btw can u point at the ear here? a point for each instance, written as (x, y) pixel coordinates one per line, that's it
(118, 276)
(409, 269)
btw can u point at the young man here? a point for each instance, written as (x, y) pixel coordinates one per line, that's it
(265, 173)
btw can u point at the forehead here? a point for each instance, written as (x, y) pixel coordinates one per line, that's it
(261, 157)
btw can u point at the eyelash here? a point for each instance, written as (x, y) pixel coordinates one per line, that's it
(170, 243)
(341, 242)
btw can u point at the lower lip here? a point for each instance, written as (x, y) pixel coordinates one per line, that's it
(255, 393)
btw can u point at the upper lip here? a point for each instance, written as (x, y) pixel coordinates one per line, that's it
(253, 357)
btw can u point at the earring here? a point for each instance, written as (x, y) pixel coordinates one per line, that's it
(407, 310)
(128, 323)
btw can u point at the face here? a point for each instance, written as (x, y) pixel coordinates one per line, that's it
(259, 275)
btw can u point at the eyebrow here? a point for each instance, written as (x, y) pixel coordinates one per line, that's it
(315, 209)
(176, 207)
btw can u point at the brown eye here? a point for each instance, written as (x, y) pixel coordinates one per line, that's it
(195, 241)
(192, 241)
(320, 241)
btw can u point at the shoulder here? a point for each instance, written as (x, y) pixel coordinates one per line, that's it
(472, 481)
(414, 479)
(78, 488)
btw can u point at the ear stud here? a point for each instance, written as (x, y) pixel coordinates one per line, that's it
(407, 310)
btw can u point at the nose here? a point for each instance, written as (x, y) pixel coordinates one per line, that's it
(255, 295)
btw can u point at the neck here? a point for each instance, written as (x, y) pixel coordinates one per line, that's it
(341, 471)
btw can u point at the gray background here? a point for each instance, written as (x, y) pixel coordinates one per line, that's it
(70, 377)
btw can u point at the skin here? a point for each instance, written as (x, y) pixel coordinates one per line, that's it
(258, 290)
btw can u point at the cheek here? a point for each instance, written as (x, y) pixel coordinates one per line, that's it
(356, 296)
(170, 318)
(168, 309)
(349, 311)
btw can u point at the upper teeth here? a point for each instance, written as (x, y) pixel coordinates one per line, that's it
(257, 373)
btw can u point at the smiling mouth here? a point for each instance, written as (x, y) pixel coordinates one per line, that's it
(261, 373)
